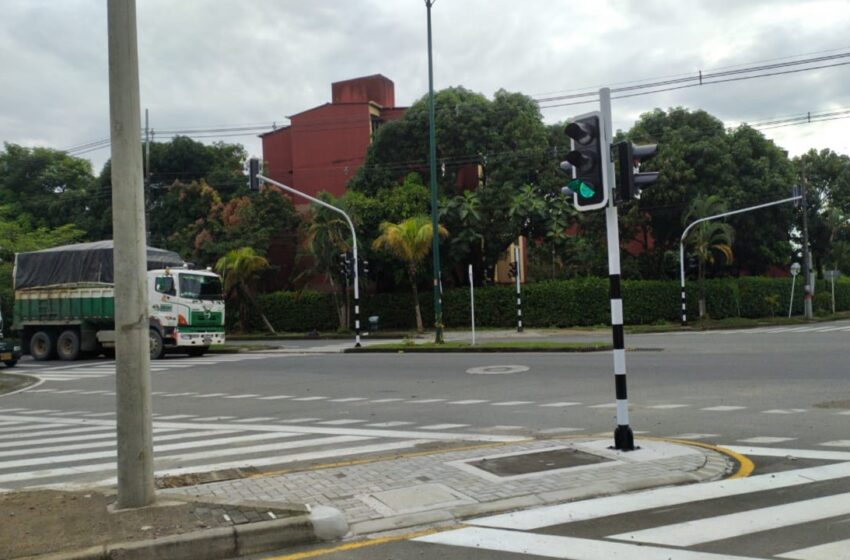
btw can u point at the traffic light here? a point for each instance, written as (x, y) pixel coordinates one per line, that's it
(253, 171)
(344, 265)
(632, 181)
(587, 162)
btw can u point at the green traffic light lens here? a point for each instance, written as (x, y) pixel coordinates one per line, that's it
(584, 190)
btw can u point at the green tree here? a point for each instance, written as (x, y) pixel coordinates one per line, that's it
(238, 268)
(47, 187)
(707, 240)
(409, 241)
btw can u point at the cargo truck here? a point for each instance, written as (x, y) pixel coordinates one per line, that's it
(65, 303)
(10, 349)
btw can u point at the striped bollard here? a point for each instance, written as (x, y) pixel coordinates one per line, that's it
(518, 289)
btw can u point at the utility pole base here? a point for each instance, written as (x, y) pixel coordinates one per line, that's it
(624, 440)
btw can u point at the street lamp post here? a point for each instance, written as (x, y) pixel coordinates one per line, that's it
(353, 247)
(432, 161)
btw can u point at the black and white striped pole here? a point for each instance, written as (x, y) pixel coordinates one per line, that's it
(518, 288)
(623, 437)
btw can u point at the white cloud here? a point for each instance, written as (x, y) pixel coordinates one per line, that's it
(232, 62)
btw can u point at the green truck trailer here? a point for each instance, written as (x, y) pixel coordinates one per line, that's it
(65, 303)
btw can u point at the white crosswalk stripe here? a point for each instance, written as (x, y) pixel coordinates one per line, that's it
(715, 514)
(72, 447)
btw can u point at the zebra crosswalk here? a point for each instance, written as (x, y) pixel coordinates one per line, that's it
(798, 514)
(53, 447)
(93, 370)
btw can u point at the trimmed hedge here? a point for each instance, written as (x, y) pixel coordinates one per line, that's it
(557, 303)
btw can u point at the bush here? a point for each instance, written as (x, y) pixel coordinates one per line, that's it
(555, 303)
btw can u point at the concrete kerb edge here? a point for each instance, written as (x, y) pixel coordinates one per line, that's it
(716, 465)
(224, 542)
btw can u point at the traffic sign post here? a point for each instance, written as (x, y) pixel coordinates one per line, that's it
(795, 270)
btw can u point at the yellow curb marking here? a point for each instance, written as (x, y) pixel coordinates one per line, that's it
(745, 464)
(365, 543)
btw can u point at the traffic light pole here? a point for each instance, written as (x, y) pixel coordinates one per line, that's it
(623, 437)
(701, 220)
(353, 248)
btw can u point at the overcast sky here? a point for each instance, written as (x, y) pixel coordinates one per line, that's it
(230, 62)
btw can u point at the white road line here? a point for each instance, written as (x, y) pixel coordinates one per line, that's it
(12, 423)
(837, 443)
(604, 405)
(798, 453)
(443, 426)
(468, 401)
(349, 399)
(100, 467)
(668, 406)
(511, 403)
(723, 408)
(176, 416)
(209, 395)
(552, 546)
(560, 430)
(255, 419)
(310, 398)
(661, 497)
(829, 551)
(298, 420)
(425, 401)
(766, 439)
(784, 411)
(342, 422)
(695, 436)
(559, 404)
(245, 396)
(111, 442)
(699, 531)
(389, 424)
(72, 413)
(99, 414)
(6, 435)
(380, 401)
(275, 397)
(178, 394)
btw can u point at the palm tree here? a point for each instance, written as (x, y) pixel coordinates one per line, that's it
(238, 268)
(409, 241)
(707, 240)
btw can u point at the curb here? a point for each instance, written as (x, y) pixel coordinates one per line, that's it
(323, 523)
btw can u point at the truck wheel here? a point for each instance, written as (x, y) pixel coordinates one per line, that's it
(157, 348)
(197, 351)
(11, 363)
(68, 345)
(43, 345)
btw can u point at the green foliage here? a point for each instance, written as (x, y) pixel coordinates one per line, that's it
(562, 303)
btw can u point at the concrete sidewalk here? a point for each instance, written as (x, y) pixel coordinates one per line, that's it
(377, 495)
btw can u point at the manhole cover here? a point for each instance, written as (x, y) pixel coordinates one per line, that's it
(497, 370)
(539, 461)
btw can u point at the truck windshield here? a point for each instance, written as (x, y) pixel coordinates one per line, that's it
(197, 286)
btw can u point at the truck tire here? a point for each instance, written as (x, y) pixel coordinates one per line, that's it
(11, 363)
(197, 351)
(43, 345)
(68, 345)
(157, 348)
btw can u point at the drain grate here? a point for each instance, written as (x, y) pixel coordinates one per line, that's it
(540, 461)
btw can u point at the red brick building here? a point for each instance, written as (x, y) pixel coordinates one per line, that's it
(324, 146)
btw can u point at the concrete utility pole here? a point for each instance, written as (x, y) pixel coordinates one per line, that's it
(132, 364)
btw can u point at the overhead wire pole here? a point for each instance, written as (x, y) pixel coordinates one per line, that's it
(353, 247)
(807, 268)
(701, 220)
(432, 161)
(132, 364)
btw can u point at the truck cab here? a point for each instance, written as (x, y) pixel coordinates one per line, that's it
(187, 310)
(10, 349)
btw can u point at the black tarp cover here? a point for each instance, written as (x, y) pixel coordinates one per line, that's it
(78, 263)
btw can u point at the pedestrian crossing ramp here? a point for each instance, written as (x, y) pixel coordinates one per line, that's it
(796, 514)
(49, 449)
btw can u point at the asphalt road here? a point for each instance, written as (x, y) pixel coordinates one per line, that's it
(783, 388)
